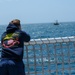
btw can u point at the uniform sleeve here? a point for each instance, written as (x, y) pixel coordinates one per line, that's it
(25, 36)
(2, 37)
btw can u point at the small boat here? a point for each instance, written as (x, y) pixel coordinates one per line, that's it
(56, 23)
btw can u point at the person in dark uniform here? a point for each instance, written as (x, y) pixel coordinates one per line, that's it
(12, 42)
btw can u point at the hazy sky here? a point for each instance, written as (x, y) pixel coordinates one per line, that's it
(37, 11)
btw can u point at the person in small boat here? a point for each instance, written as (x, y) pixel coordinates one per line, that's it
(12, 42)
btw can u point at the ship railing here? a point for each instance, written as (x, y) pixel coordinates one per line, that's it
(50, 56)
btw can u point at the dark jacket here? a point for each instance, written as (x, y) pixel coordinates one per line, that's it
(12, 42)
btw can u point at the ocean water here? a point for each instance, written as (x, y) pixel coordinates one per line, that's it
(47, 30)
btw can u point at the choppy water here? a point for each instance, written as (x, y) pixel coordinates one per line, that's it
(46, 30)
